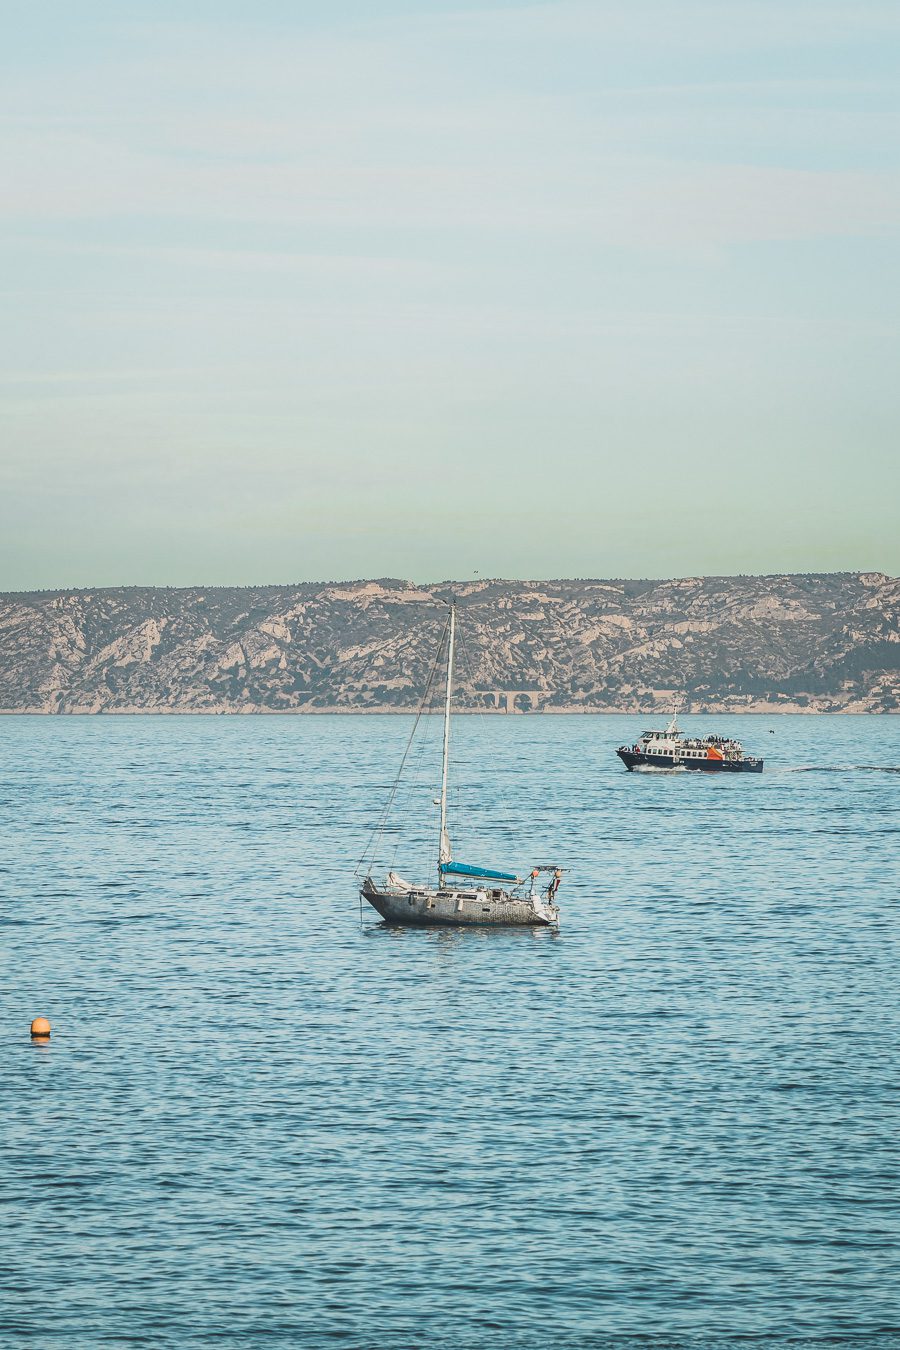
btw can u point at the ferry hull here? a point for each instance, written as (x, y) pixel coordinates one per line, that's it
(440, 909)
(633, 759)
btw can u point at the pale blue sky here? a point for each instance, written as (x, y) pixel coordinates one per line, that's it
(316, 290)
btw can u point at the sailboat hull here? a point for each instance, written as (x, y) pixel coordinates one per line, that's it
(459, 909)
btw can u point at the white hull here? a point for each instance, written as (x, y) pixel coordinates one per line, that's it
(460, 909)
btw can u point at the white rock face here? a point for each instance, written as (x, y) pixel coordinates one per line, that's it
(790, 643)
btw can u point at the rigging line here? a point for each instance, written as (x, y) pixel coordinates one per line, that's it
(399, 640)
(407, 789)
(384, 815)
(413, 781)
(482, 715)
(377, 833)
(400, 643)
(374, 844)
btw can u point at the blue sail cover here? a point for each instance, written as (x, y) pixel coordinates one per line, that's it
(464, 870)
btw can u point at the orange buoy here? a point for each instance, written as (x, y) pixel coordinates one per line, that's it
(41, 1027)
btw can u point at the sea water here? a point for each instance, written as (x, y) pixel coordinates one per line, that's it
(265, 1118)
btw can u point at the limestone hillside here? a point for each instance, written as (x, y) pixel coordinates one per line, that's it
(828, 642)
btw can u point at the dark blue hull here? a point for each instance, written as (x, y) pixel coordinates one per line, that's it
(633, 759)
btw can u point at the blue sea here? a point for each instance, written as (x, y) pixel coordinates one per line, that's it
(266, 1119)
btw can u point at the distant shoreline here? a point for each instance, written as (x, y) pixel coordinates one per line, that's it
(761, 645)
(765, 710)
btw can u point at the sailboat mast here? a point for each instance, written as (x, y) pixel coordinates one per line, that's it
(444, 854)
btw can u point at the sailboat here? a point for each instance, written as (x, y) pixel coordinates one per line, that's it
(483, 895)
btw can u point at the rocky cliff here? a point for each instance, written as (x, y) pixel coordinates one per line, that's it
(828, 642)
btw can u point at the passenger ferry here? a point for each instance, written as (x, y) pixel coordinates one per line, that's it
(670, 750)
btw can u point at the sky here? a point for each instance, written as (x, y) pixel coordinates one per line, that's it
(300, 290)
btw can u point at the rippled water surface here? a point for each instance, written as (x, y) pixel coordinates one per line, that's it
(263, 1119)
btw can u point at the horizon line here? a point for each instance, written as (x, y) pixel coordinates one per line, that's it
(444, 582)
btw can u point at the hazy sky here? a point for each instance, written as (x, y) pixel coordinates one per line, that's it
(298, 290)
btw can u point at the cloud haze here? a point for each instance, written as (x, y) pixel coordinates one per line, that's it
(553, 289)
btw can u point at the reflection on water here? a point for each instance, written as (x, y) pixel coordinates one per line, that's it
(263, 1120)
(449, 936)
